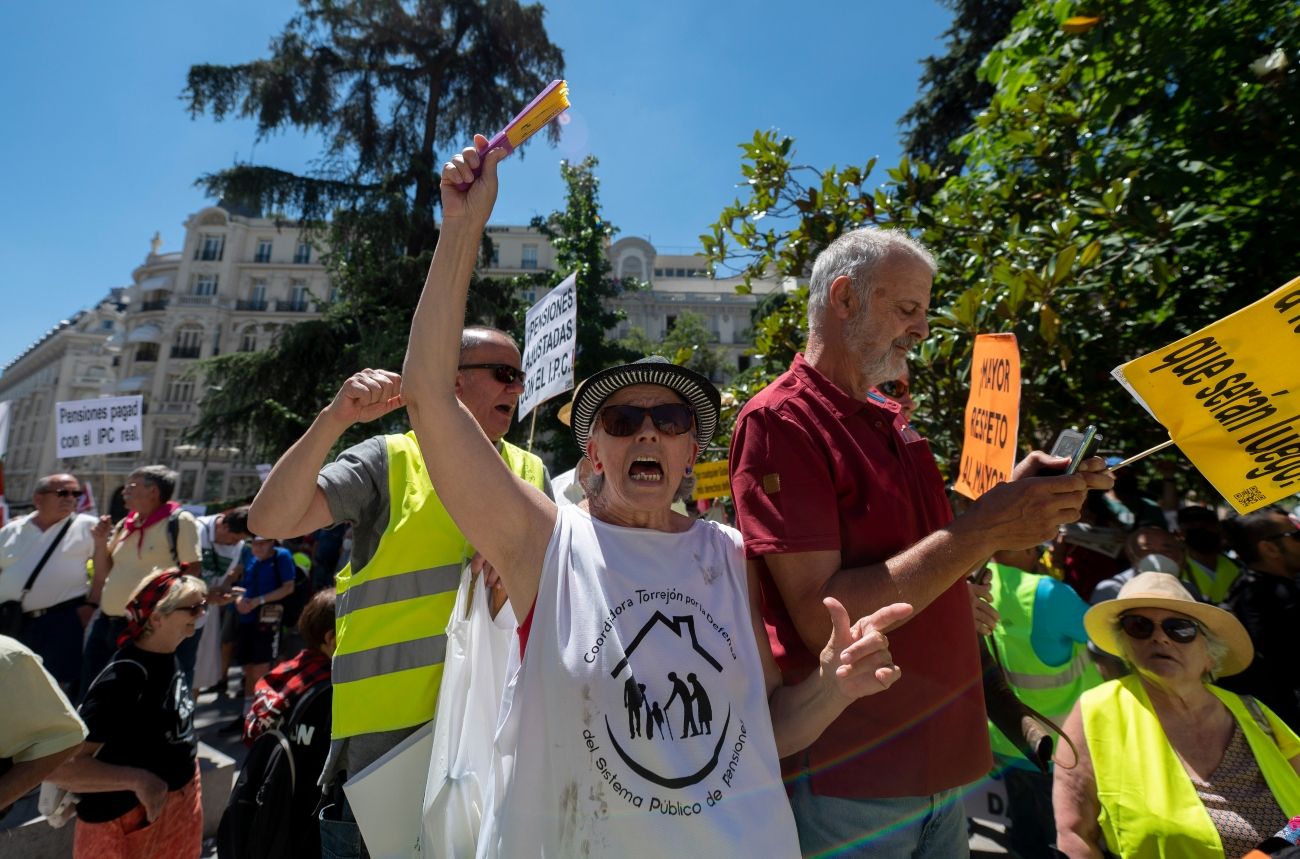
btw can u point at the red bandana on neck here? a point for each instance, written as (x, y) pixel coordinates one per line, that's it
(132, 523)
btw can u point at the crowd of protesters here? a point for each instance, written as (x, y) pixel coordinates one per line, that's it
(822, 679)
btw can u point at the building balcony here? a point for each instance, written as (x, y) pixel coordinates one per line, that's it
(256, 306)
(146, 352)
(196, 300)
(186, 351)
(176, 408)
(291, 306)
(156, 304)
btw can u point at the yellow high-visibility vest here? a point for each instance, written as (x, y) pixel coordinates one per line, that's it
(392, 614)
(1049, 689)
(1149, 807)
(1213, 590)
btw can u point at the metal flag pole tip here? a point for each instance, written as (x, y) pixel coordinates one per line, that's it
(1142, 455)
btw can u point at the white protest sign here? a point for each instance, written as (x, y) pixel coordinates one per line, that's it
(104, 425)
(549, 344)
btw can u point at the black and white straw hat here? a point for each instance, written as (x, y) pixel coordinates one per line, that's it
(698, 392)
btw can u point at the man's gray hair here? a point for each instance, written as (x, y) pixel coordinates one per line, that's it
(477, 335)
(856, 255)
(162, 477)
(46, 483)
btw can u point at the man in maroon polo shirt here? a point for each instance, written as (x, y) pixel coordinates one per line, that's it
(837, 496)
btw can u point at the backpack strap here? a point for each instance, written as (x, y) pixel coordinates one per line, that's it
(111, 663)
(288, 753)
(174, 533)
(300, 708)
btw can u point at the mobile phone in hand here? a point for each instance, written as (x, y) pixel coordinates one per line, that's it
(1075, 445)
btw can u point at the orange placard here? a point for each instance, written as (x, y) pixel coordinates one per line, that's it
(992, 415)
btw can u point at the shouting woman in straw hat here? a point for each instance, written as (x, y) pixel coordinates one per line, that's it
(638, 723)
(1169, 765)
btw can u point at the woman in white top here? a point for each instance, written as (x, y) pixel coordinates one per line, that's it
(648, 715)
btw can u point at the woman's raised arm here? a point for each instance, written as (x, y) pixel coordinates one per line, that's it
(503, 517)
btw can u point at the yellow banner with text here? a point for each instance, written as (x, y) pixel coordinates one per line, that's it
(1229, 397)
(712, 480)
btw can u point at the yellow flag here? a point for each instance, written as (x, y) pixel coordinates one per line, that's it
(1230, 397)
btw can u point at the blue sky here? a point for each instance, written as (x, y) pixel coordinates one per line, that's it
(99, 152)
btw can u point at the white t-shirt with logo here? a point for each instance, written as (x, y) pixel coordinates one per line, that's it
(638, 724)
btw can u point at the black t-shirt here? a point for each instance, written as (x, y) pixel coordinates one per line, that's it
(140, 708)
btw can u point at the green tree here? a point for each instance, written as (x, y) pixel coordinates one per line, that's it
(686, 343)
(391, 88)
(952, 92)
(581, 238)
(1127, 184)
(792, 212)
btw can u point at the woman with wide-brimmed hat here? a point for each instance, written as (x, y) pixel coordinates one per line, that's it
(1168, 764)
(620, 601)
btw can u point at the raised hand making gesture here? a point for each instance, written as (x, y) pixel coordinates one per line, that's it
(366, 396)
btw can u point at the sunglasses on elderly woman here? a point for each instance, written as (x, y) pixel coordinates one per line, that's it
(1179, 629)
(503, 373)
(194, 610)
(669, 418)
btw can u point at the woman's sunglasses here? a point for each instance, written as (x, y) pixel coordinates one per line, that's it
(503, 373)
(669, 418)
(194, 610)
(1179, 629)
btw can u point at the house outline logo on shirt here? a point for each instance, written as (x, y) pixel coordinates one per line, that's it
(696, 706)
(675, 758)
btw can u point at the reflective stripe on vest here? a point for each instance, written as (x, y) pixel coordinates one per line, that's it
(1049, 689)
(391, 658)
(1149, 807)
(1070, 672)
(387, 666)
(391, 589)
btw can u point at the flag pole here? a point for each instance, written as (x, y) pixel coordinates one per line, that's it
(533, 427)
(1142, 455)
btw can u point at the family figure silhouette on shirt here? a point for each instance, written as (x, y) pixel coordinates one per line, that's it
(697, 713)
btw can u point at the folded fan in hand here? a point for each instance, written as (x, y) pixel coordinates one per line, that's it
(532, 119)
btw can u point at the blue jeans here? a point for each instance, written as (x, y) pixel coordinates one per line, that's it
(906, 827)
(340, 837)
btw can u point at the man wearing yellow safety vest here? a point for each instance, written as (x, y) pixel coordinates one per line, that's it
(396, 595)
(1202, 534)
(1042, 646)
